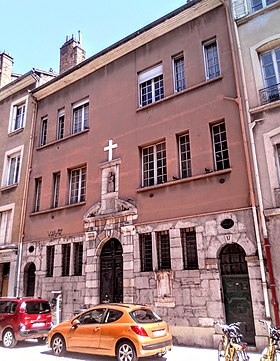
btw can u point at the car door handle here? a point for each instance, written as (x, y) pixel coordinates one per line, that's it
(97, 329)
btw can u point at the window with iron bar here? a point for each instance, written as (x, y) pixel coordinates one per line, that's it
(146, 252)
(163, 250)
(50, 261)
(78, 258)
(66, 253)
(189, 247)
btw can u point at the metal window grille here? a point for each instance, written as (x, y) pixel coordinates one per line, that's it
(78, 258)
(77, 185)
(146, 252)
(154, 164)
(220, 146)
(185, 155)
(56, 189)
(211, 60)
(13, 170)
(80, 118)
(66, 251)
(5, 226)
(179, 74)
(38, 189)
(232, 260)
(163, 250)
(152, 90)
(60, 126)
(44, 127)
(50, 261)
(189, 247)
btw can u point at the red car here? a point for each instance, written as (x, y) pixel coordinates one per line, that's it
(22, 318)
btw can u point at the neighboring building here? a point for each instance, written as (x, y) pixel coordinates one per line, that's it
(16, 116)
(258, 33)
(139, 188)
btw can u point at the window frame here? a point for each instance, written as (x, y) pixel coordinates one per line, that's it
(60, 131)
(189, 248)
(155, 179)
(153, 75)
(206, 63)
(81, 195)
(15, 153)
(50, 252)
(84, 123)
(164, 263)
(175, 59)
(264, 4)
(146, 246)
(22, 102)
(43, 131)
(56, 189)
(188, 168)
(38, 193)
(215, 152)
(7, 230)
(78, 253)
(65, 259)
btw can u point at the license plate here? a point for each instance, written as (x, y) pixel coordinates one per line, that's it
(38, 324)
(158, 333)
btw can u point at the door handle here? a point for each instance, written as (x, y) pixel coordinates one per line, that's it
(97, 329)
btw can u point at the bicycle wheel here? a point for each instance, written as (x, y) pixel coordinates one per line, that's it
(221, 351)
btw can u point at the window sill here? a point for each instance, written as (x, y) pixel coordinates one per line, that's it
(256, 14)
(264, 107)
(9, 187)
(57, 141)
(50, 210)
(185, 180)
(14, 132)
(185, 91)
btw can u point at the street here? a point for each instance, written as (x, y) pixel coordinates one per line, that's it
(31, 351)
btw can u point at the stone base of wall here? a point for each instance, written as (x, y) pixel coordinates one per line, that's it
(193, 336)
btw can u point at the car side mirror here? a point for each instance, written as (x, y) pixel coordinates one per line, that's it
(75, 324)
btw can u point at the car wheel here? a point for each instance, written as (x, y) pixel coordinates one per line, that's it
(58, 345)
(42, 340)
(8, 339)
(126, 352)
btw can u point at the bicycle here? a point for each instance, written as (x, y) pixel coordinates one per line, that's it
(231, 347)
(271, 352)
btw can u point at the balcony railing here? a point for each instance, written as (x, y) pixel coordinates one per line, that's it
(270, 94)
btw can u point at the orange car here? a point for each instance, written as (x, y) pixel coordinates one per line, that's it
(123, 330)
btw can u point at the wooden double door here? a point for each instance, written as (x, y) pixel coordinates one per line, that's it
(111, 272)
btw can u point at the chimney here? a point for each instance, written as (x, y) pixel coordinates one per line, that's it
(6, 64)
(71, 53)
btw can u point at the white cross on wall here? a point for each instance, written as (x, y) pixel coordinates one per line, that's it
(110, 148)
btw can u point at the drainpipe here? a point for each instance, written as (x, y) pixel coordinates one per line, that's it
(25, 193)
(245, 145)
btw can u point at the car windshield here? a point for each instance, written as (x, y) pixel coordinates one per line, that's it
(37, 307)
(145, 315)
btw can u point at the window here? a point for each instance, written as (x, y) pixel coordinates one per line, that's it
(80, 116)
(150, 86)
(12, 165)
(38, 190)
(154, 165)
(163, 250)
(270, 62)
(50, 261)
(278, 158)
(179, 73)
(60, 124)
(5, 225)
(77, 185)
(211, 59)
(78, 258)
(189, 246)
(185, 155)
(18, 114)
(220, 146)
(56, 188)
(146, 252)
(43, 135)
(259, 4)
(66, 251)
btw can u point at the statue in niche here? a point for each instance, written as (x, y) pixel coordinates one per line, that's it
(111, 182)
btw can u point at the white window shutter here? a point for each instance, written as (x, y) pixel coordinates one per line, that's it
(240, 8)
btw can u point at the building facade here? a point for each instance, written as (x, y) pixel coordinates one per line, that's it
(139, 188)
(16, 114)
(258, 34)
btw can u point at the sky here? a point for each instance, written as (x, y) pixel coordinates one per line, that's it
(32, 32)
